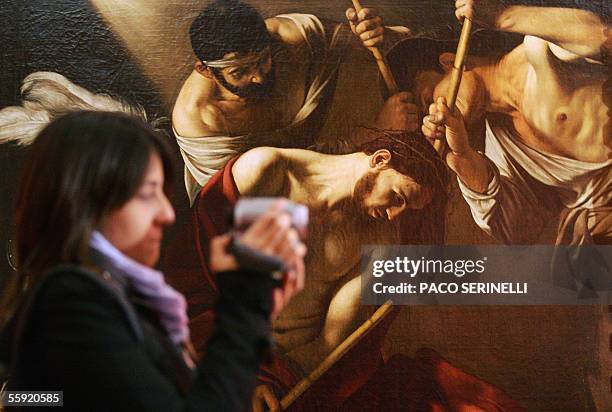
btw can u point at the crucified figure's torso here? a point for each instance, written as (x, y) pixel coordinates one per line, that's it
(328, 309)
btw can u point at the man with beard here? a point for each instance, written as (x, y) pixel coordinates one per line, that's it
(354, 199)
(548, 148)
(260, 82)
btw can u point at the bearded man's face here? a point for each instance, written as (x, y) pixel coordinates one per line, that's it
(253, 81)
(385, 194)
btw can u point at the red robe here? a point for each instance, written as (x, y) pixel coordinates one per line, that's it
(360, 380)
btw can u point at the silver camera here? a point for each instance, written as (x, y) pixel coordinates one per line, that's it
(248, 209)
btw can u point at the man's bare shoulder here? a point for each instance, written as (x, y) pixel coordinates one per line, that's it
(285, 30)
(194, 115)
(260, 171)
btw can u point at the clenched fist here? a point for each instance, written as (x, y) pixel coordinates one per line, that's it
(399, 113)
(442, 123)
(367, 25)
(483, 12)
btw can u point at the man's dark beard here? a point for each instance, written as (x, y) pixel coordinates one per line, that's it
(253, 90)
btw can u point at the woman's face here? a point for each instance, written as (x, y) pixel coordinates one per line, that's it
(136, 228)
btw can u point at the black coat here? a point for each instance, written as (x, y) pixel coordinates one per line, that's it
(85, 334)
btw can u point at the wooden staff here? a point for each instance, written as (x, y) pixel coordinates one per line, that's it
(456, 73)
(337, 353)
(381, 61)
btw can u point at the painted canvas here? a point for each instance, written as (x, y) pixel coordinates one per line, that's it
(396, 122)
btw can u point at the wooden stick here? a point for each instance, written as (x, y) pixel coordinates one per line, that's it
(383, 66)
(336, 354)
(456, 73)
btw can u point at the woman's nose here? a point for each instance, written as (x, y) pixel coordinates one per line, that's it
(166, 214)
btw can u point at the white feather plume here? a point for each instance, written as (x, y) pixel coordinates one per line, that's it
(47, 95)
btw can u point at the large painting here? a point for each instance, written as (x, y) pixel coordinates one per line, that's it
(343, 107)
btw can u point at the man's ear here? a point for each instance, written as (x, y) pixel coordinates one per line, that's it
(380, 158)
(447, 60)
(203, 69)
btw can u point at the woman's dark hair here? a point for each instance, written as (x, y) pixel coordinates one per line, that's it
(412, 155)
(227, 26)
(81, 167)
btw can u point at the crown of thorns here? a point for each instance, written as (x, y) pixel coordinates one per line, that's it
(416, 146)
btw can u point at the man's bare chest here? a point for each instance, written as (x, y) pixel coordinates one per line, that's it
(563, 116)
(336, 241)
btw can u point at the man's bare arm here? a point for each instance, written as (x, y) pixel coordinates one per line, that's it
(469, 165)
(578, 31)
(193, 114)
(196, 122)
(284, 30)
(343, 317)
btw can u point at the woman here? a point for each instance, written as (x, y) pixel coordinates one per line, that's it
(97, 322)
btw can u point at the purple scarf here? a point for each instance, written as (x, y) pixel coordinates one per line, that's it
(169, 304)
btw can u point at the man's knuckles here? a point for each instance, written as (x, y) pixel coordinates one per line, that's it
(366, 13)
(351, 15)
(369, 24)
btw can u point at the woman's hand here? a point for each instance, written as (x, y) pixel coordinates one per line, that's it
(270, 234)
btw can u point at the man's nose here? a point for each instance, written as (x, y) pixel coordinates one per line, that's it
(257, 77)
(394, 212)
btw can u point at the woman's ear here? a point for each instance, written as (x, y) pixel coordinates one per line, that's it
(380, 158)
(203, 69)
